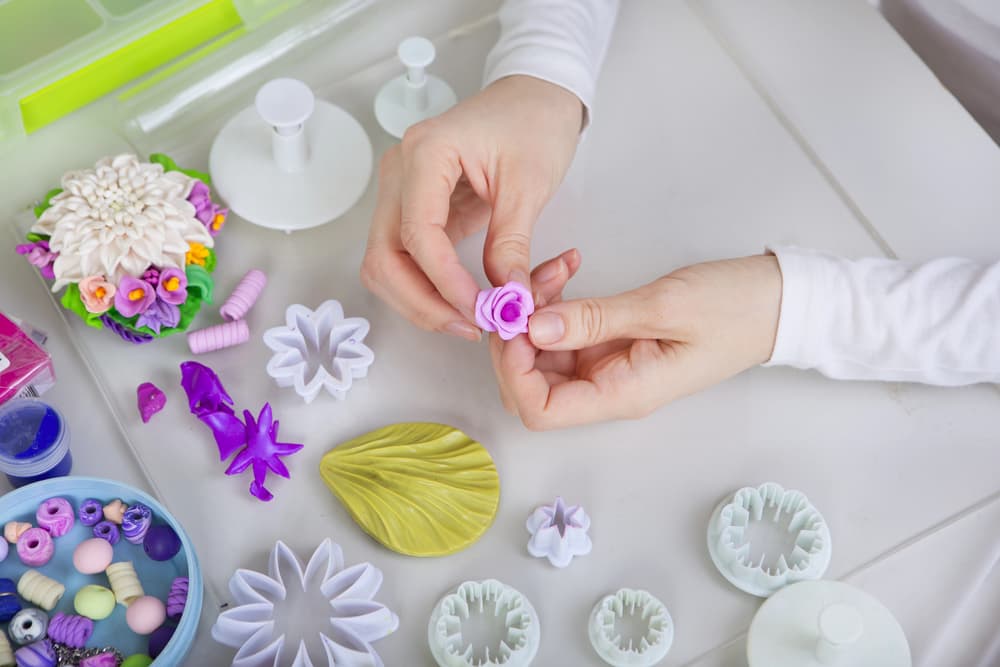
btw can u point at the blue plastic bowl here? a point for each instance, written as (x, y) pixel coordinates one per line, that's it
(156, 577)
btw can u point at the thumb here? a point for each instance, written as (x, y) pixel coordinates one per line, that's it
(574, 325)
(507, 252)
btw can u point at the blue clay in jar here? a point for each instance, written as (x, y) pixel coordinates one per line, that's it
(34, 442)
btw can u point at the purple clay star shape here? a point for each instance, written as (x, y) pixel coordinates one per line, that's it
(262, 452)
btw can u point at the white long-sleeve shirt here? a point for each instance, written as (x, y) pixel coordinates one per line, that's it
(867, 319)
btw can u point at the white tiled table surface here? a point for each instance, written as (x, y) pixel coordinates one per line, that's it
(720, 127)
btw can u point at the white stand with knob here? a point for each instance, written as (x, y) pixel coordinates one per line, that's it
(290, 161)
(825, 623)
(416, 95)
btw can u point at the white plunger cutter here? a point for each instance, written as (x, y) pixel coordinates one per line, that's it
(416, 95)
(291, 161)
(840, 627)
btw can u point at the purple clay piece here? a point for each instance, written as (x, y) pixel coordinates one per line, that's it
(204, 390)
(158, 640)
(177, 599)
(136, 522)
(107, 531)
(73, 631)
(106, 659)
(262, 452)
(91, 512)
(161, 543)
(39, 654)
(505, 309)
(151, 400)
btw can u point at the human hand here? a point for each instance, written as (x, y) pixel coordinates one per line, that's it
(495, 158)
(625, 356)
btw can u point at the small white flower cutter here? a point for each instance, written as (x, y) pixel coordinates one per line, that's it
(453, 647)
(328, 609)
(319, 349)
(764, 538)
(559, 533)
(657, 635)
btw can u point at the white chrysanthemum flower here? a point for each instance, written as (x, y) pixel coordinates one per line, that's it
(119, 218)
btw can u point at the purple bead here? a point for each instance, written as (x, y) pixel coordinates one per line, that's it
(107, 531)
(91, 512)
(136, 522)
(177, 599)
(100, 660)
(73, 631)
(161, 543)
(158, 640)
(39, 654)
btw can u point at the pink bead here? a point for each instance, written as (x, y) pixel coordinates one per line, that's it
(35, 547)
(56, 515)
(93, 555)
(218, 337)
(244, 296)
(145, 614)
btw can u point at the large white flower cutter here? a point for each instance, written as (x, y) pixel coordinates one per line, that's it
(765, 538)
(656, 629)
(452, 630)
(319, 349)
(294, 617)
(559, 533)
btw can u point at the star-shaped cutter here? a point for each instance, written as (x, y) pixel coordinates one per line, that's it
(319, 349)
(559, 532)
(354, 622)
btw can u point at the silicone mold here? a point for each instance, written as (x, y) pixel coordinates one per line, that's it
(559, 533)
(420, 489)
(326, 609)
(657, 629)
(515, 621)
(319, 349)
(764, 538)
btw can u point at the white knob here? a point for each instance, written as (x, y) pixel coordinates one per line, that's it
(286, 105)
(840, 626)
(416, 53)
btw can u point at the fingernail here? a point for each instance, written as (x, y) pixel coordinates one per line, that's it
(546, 328)
(519, 276)
(464, 330)
(549, 272)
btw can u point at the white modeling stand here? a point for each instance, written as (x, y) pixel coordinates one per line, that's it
(814, 623)
(411, 98)
(291, 162)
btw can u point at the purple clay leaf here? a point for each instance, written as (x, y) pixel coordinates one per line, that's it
(230, 433)
(204, 390)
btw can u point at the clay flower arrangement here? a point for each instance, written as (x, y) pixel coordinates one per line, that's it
(130, 244)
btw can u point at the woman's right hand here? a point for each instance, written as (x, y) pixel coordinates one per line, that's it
(494, 159)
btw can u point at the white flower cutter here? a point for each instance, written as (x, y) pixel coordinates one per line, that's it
(291, 617)
(559, 533)
(319, 349)
(657, 634)
(453, 645)
(764, 538)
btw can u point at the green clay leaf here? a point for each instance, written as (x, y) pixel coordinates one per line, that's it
(33, 237)
(200, 284)
(45, 203)
(71, 301)
(420, 489)
(169, 165)
(210, 260)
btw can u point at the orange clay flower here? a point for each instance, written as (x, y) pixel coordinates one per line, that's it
(197, 254)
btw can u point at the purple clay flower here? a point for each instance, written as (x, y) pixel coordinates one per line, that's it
(39, 254)
(505, 309)
(211, 215)
(172, 286)
(159, 314)
(152, 276)
(134, 296)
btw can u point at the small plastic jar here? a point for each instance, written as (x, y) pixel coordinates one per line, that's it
(34, 442)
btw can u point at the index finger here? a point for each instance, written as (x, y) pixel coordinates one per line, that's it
(429, 178)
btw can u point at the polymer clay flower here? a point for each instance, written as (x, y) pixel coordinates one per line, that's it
(159, 314)
(171, 286)
(559, 532)
(134, 296)
(97, 294)
(197, 254)
(210, 213)
(504, 309)
(118, 219)
(269, 629)
(38, 254)
(152, 276)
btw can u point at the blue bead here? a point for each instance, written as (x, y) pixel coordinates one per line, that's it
(10, 604)
(161, 543)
